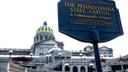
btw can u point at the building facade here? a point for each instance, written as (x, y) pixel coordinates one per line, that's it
(47, 55)
(103, 51)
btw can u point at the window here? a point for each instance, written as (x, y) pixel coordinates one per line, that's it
(41, 54)
(41, 37)
(109, 52)
(46, 37)
(100, 52)
(37, 37)
(105, 55)
(41, 49)
(105, 52)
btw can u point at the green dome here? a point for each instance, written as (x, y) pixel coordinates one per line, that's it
(44, 28)
(88, 48)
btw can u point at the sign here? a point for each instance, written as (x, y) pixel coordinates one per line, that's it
(89, 21)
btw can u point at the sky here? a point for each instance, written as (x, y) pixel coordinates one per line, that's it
(19, 20)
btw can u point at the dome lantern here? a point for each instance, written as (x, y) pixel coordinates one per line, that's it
(45, 23)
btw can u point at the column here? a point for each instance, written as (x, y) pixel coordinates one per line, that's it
(71, 69)
(25, 69)
(86, 68)
(79, 68)
(63, 68)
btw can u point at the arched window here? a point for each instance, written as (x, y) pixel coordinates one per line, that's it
(67, 69)
(50, 59)
(41, 37)
(82, 69)
(75, 69)
(37, 37)
(46, 60)
(46, 37)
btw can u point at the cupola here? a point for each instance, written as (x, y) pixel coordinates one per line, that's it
(44, 33)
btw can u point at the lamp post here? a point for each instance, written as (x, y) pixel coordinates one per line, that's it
(84, 57)
(31, 54)
(81, 55)
(10, 53)
(121, 60)
(59, 56)
(102, 60)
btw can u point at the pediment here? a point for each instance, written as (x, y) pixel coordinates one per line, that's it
(105, 48)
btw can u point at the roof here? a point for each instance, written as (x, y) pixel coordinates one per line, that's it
(16, 51)
(105, 48)
(45, 29)
(55, 49)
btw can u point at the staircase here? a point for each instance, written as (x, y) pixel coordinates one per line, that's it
(54, 65)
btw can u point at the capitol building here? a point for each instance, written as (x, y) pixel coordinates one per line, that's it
(48, 55)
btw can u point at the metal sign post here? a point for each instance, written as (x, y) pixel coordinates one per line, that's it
(92, 21)
(97, 57)
(95, 35)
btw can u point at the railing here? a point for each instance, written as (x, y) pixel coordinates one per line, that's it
(17, 68)
(53, 65)
(34, 70)
(118, 63)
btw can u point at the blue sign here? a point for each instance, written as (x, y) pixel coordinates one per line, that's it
(89, 21)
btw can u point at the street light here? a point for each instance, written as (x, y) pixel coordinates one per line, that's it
(121, 60)
(84, 57)
(81, 55)
(31, 54)
(59, 56)
(10, 53)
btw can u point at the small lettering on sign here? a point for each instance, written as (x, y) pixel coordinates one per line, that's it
(101, 14)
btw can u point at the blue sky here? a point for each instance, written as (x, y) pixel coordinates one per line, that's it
(19, 20)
